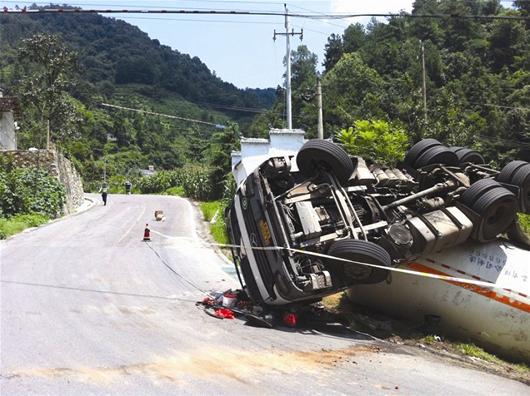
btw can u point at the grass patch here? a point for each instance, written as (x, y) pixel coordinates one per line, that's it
(474, 351)
(14, 225)
(177, 191)
(429, 339)
(218, 229)
(209, 209)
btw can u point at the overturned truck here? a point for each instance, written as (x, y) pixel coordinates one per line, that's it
(306, 227)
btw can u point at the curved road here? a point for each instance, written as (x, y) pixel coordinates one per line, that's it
(88, 308)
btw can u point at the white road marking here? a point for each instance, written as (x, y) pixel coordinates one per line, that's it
(132, 225)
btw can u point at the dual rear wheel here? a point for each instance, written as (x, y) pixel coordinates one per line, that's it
(431, 151)
(495, 205)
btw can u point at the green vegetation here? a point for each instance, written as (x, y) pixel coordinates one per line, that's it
(30, 190)
(477, 78)
(218, 229)
(28, 197)
(524, 220)
(177, 191)
(377, 140)
(18, 223)
(474, 351)
(63, 67)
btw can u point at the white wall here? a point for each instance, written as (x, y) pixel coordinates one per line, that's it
(256, 151)
(7, 132)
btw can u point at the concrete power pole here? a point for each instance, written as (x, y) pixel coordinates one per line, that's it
(288, 74)
(47, 134)
(320, 116)
(424, 81)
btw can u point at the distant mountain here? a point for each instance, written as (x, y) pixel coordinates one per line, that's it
(113, 53)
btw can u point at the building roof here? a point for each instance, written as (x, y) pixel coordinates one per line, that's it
(10, 104)
(254, 140)
(284, 131)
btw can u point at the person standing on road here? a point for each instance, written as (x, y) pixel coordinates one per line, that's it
(104, 190)
(128, 187)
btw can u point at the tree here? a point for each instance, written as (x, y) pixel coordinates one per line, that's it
(219, 156)
(333, 51)
(352, 90)
(354, 37)
(49, 66)
(304, 79)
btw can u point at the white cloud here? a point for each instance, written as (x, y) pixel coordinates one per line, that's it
(369, 7)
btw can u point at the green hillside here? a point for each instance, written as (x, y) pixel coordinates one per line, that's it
(115, 62)
(477, 78)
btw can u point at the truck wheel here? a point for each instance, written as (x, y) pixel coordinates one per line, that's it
(418, 149)
(317, 154)
(518, 236)
(497, 209)
(467, 155)
(361, 251)
(477, 189)
(436, 155)
(521, 179)
(506, 174)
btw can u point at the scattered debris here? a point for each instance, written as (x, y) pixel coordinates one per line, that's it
(159, 215)
(237, 304)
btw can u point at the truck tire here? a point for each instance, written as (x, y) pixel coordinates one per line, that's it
(416, 150)
(517, 236)
(456, 149)
(362, 251)
(436, 155)
(497, 209)
(477, 189)
(467, 155)
(521, 179)
(506, 174)
(317, 154)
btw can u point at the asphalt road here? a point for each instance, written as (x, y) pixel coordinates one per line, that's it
(88, 308)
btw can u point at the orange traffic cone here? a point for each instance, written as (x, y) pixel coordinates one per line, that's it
(147, 233)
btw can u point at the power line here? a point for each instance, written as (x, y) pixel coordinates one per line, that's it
(501, 107)
(217, 126)
(236, 108)
(203, 20)
(322, 21)
(261, 13)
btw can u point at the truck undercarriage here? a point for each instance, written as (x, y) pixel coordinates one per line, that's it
(303, 232)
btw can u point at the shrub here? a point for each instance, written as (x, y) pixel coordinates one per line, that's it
(177, 191)
(195, 181)
(377, 140)
(159, 182)
(30, 190)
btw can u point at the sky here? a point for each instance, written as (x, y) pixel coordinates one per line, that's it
(240, 49)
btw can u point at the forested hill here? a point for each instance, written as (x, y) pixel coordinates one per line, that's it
(113, 52)
(477, 73)
(93, 60)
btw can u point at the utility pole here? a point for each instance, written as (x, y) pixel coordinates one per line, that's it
(288, 74)
(320, 116)
(47, 134)
(104, 170)
(424, 81)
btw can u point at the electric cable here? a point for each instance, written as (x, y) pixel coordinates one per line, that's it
(175, 272)
(336, 16)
